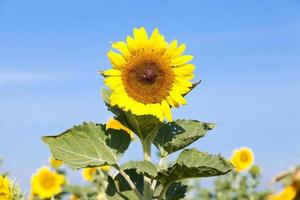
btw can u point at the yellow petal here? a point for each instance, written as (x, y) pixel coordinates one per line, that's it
(141, 37)
(178, 98)
(166, 110)
(181, 60)
(113, 82)
(112, 72)
(115, 124)
(178, 51)
(131, 43)
(122, 47)
(157, 41)
(117, 60)
(172, 102)
(183, 82)
(184, 69)
(171, 48)
(180, 89)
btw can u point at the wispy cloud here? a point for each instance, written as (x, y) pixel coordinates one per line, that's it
(12, 77)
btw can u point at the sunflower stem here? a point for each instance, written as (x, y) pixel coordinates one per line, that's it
(129, 181)
(147, 181)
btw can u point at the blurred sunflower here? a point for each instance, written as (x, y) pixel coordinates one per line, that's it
(55, 163)
(115, 124)
(149, 75)
(5, 189)
(288, 193)
(89, 173)
(46, 183)
(242, 159)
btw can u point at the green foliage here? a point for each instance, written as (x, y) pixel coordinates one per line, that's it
(91, 144)
(88, 145)
(194, 164)
(118, 187)
(179, 134)
(233, 186)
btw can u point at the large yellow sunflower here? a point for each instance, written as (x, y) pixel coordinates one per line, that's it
(242, 159)
(46, 183)
(5, 189)
(149, 75)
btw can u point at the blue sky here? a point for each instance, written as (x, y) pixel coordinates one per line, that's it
(247, 54)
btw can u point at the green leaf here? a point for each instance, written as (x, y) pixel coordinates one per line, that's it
(88, 145)
(142, 167)
(145, 126)
(180, 134)
(194, 164)
(176, 191)
(118, 188)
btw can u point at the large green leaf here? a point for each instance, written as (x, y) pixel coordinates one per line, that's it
(118, 188)
(194, 164)
(142, 167)
(145, 126)
(88, 145)
(180, 134)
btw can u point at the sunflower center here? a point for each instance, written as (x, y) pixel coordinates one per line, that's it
(244, 157)
(148, 76)
(148, 80)
(47, 181)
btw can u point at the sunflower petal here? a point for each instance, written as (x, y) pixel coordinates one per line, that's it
(181, 60)
(178, 98)
(113, 82)
(122, 48)
(141, 37)
(166, 110)
(112, 72)
(117, 60)
(130, 43)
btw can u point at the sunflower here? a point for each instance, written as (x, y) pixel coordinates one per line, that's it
(55, 163)
(88, 173)
(149, 76)
(242, 159)
(288, 193)
(46, 183)
(115, 124)
(5, 188)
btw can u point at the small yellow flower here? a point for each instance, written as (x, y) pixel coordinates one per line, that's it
(115, 124)
(88, 173)
(5, 188)
(242, 159)
(149, 75)
(74, 197)
(105, 168)
(55, 163)
(46, 183)
(288, 193)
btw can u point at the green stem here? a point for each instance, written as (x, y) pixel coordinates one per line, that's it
(131, 184)
(147, 181)
(162, 194)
